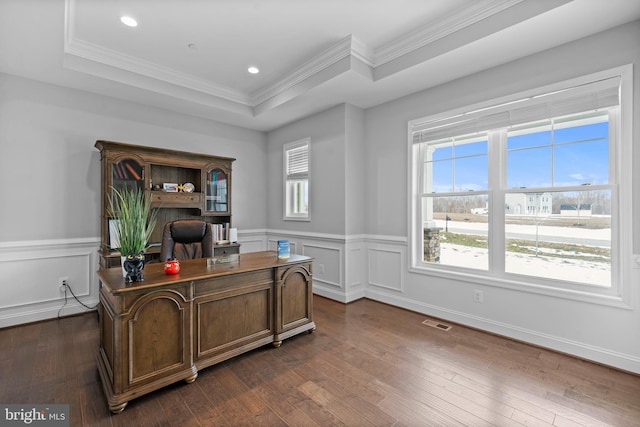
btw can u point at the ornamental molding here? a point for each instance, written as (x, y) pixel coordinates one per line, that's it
(94, 59)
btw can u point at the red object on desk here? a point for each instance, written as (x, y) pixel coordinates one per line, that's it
(172, 266)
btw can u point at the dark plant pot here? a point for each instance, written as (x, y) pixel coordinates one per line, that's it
(133, 266)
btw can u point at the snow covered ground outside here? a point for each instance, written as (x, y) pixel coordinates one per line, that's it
(598, 237)
(596, 273)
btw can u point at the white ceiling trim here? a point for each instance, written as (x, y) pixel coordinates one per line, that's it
(432, 32)
(89, 51)
(312, 73)
(92, 52)
(339, 51)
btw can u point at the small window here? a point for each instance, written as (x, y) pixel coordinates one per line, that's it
(296, 180)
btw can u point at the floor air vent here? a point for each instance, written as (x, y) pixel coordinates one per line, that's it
(437, 325)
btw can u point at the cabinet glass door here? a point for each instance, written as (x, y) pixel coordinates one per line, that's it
(217, 197)
(126, 174)
(129, 174)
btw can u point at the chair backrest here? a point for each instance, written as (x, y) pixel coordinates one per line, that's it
(186, 239)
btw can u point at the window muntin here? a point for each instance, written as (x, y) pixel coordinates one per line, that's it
(608, 92)
(455, 173)
(456, 164)
(296, 180)
(572, 150)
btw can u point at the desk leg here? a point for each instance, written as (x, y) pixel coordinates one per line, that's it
(191, 379)
(116, 409)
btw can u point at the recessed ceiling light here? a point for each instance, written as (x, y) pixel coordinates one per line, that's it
(129, 21)
(253, 70)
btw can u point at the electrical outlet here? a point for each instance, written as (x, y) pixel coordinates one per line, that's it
(321, 268)
(63, 282)
(478, 296)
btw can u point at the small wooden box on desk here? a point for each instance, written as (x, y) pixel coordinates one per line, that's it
(164, 329)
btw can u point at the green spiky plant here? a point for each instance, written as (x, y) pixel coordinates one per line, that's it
(136, 219)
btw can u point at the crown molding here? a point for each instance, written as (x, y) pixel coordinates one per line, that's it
(315, 71)
(346, 47)
(77, 47)
(432, 32)
(99, 54)
(362, 52)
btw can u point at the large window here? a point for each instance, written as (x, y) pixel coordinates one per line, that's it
(296, 180)
(527, 192)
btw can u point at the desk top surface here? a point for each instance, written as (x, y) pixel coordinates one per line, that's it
(195, 269)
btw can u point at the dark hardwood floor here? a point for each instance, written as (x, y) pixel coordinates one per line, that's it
(367, 364)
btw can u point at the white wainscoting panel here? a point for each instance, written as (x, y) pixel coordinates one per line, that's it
(22, 277)
(327, 264)
(386, 266)
(252, 240)
(31, 271)
(354, 271)
(330, 255)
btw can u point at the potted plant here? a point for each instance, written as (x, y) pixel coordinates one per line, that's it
(135, 223)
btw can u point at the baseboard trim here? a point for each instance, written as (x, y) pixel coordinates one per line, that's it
(46, 313)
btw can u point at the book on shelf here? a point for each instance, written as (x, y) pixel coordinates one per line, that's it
(221, 232)
(117, 171)
(124, 170)
(133, 172)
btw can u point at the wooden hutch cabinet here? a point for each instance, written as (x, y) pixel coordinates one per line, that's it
(203, 183)
(166, 328)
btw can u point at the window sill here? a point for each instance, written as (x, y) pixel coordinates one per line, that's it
(293, 218)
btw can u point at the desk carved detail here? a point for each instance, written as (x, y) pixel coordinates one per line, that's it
(166, 328)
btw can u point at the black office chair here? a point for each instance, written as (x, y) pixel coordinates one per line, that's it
(186, 239)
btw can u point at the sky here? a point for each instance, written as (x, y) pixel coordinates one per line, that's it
(579, 155)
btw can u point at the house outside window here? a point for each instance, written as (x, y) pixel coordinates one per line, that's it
(554, 159)
(296, 180)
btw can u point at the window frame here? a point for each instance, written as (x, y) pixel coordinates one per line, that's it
(287, 214)
(620, 165)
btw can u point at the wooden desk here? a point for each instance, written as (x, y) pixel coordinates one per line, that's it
(164, 329)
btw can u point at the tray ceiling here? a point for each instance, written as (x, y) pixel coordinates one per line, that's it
(192, 56)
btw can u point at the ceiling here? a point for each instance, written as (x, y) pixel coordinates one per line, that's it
(192, 56)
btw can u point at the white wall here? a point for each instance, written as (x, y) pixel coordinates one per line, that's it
(606, 334)
(333, 236)
(49, 219)
(355, 149)
(327, 169)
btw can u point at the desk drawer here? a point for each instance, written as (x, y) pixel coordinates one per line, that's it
(222, 250)
(226, 283)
